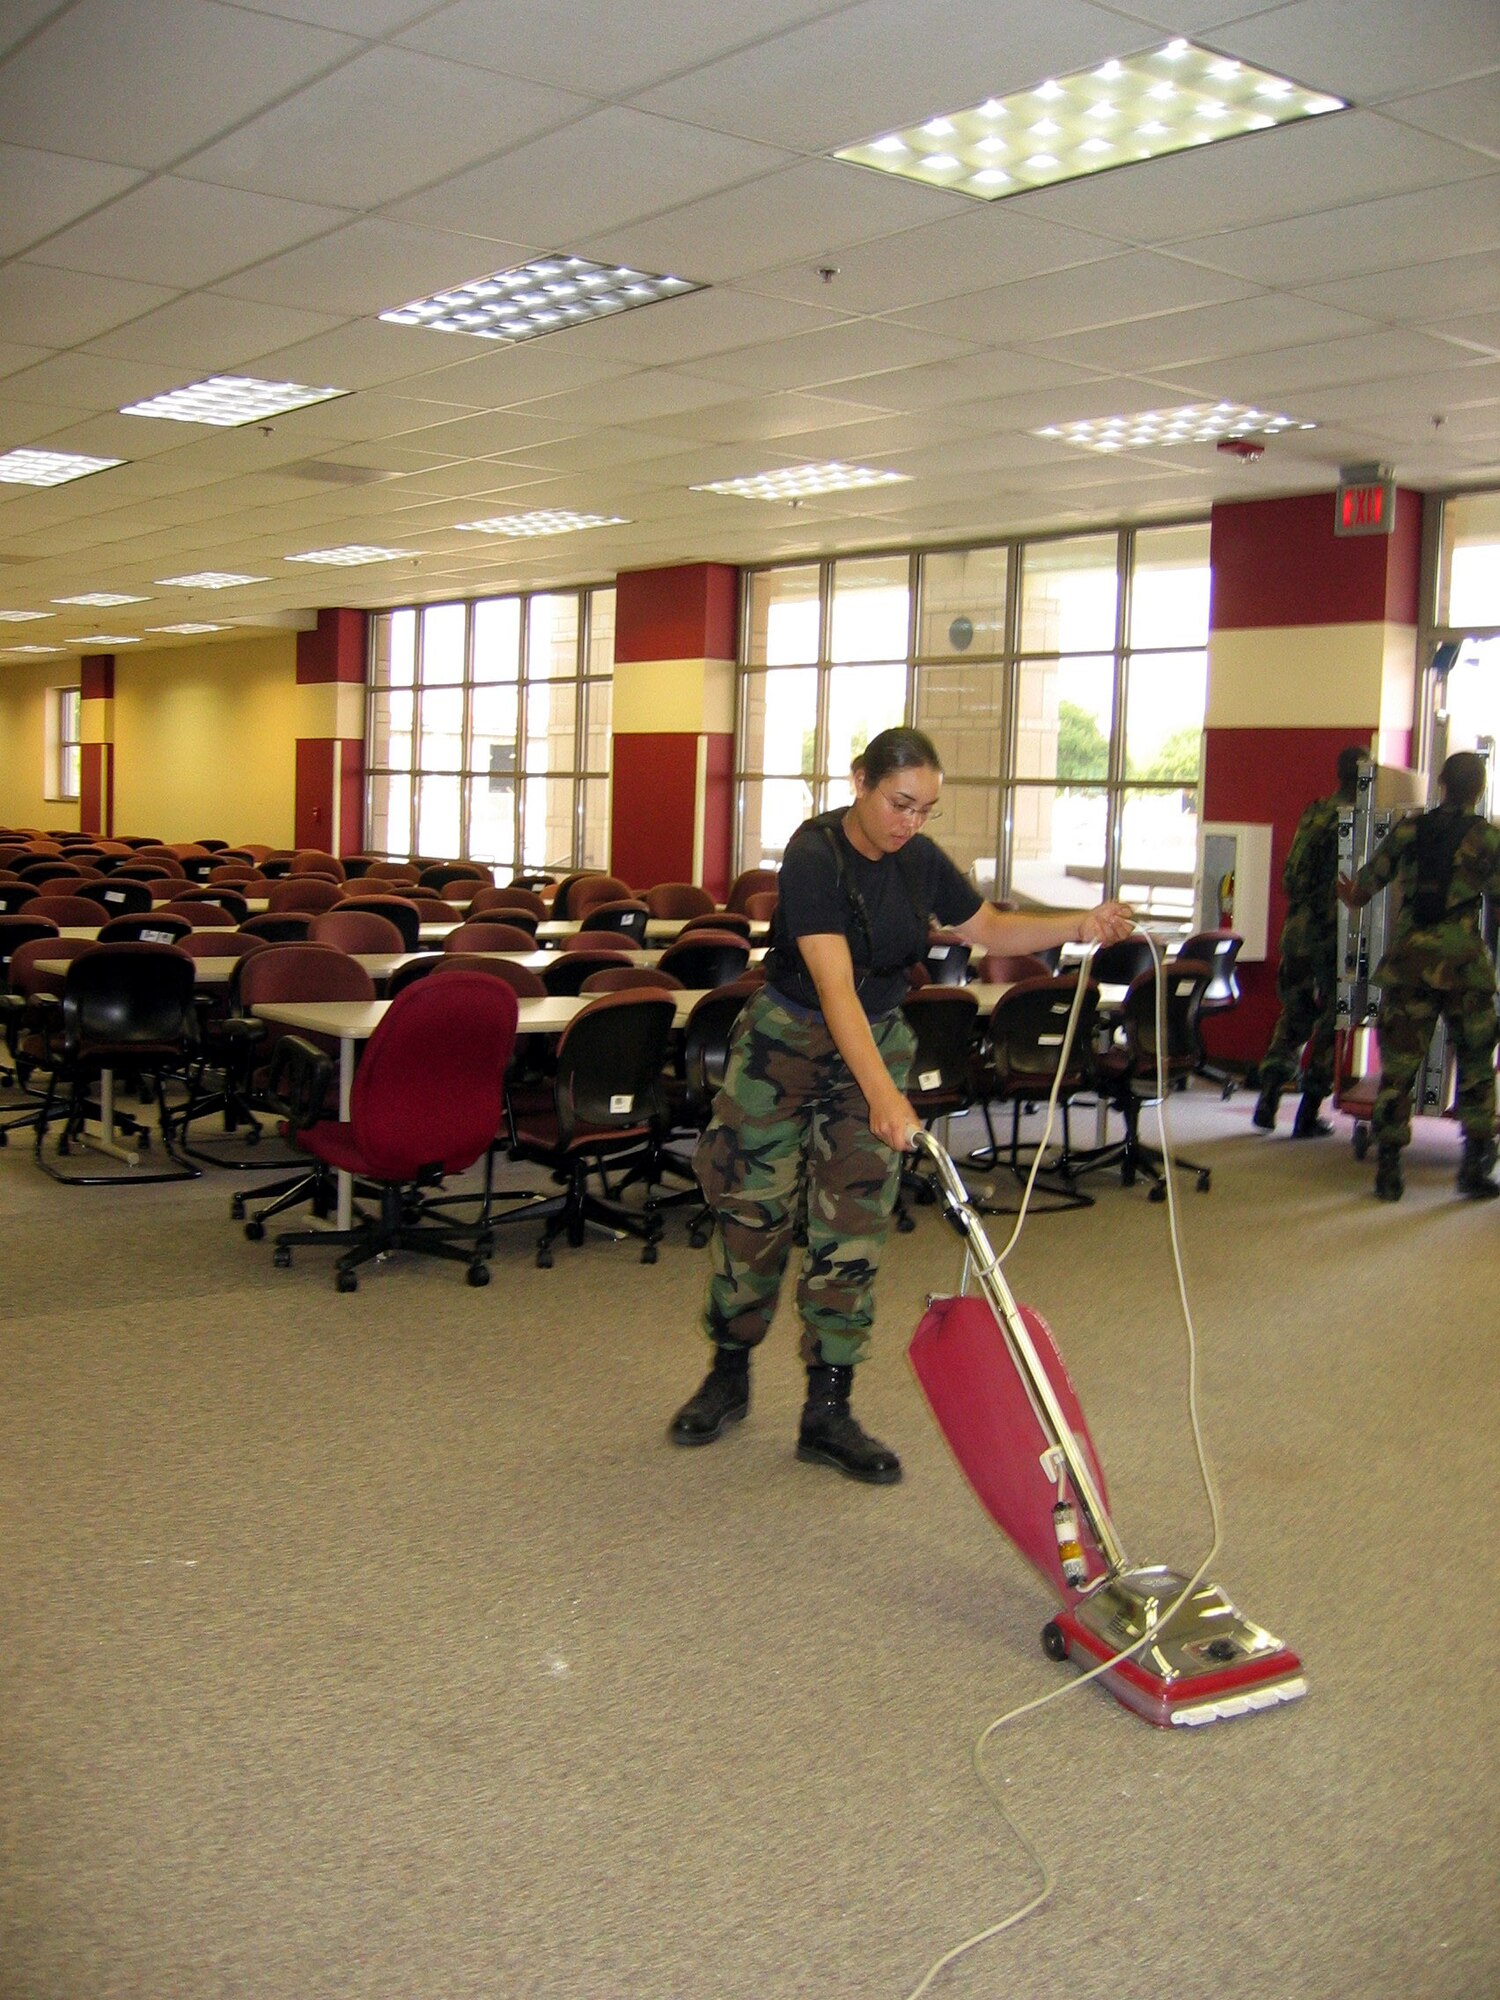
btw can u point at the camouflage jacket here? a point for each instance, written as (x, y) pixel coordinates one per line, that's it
(1309, 878)
(1449, 951)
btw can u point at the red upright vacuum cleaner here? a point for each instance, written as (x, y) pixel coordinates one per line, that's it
(996, 1383)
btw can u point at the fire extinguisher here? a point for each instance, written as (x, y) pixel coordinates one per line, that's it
(1226, 901)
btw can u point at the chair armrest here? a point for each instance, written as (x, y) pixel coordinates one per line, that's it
(298, 1081)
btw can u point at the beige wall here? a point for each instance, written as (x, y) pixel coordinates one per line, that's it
(23, 725)
(206, 741)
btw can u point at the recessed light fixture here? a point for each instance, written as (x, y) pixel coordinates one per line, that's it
(791, 482)
(1194, 423)
(8, 650)
(351, 555)
(1132, 109)
(545, 522)
(107, 639)
(102, 600)
(188, 628)
(208, 579)
(26, 467)
(23, 617)
(544, 296)
(228, 400)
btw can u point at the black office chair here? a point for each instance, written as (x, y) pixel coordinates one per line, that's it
(941, 1081)
(1023, 1048)
(1220, 951)
(688, 1091)
(1130, 1074)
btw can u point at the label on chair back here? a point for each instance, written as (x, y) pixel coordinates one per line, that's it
(158, 937)
(621, 1102)
(930, 1079)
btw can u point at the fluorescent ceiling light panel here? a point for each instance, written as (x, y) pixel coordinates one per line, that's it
(352, 555)
(1195, 423)
(209, 579)
(1134, 109)
(185, 629)
(793, 481)
(102, 600)
(556, 521)
(8, 650)
(23, 617)
(50, 468)
(544, 296)
(107, 639)
(227, 400)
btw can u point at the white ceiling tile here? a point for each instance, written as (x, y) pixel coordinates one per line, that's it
(1273, 319)
(486, 374)
(850, 353)
(756, 418)
(1132, 285)
(697, 327)
(15, 356)
(59, 308)
(1370, 49)
(1473, 329)
(607, 50)
(1365, 236)
(1466, 112)
(649, 396)
(1418, 291)
(366, 268)
(206, 334)
(873, 67)
(1320, 163)
(350, 17)
(969, 377)
(365, 354)
(41, 192)
(1301, 372)
(803, 212)
(491, 432)
(610, 168)
(90, 381)
(142, 81)
(381, 127)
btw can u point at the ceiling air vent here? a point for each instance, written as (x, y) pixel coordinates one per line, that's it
(330, 473)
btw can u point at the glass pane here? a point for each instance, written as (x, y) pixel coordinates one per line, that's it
(1469, 591)
(492, 811)
(551, 727)
(781, 712)
(390, 728)
(593, 850)
(970, 815)
(963, 602)
(963, 710)
(492, 734)
(438, 817)
(389, 831)
(71, 771)
(1057, 846)
(497, 639)
(1064, 713)
(1068, 595)
(861, 702)
(1169, 587)
(395, 649)
(770, 813)
(871, 602)
(443, 628)
(598, 703)
(547, 823)
(1159, 850)
(601, 658)
(1166, 695)
(1471, 701)
(783, 618)
(552, 638)
(441, 745)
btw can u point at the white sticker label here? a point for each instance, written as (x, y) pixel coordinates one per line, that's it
(157, 937)
(1184, 987)
(1049, 1041)
(114, 895)
(621, 1103)
(930, 1079)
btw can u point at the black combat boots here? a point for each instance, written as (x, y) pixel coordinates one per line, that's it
(723, 1398)
(1389, 1184)
(1308, 1124)
(1264, 1114)
(831, 1434)
(1474, 1174)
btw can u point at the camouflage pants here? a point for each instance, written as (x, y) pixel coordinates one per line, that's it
(790, 1112)
(1307, 987)
(1409, 1012)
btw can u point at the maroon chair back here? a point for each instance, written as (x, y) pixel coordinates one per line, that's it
(199, 916)
(220, 944)
(526, 900)
(522, 981)
(595, 941)
(65, 910)
(748, 884)
(678, 899)
(145, 927)
(311, 894)
(721, 920)
(620, 979)
(278, 926)
(592, 890)
(356, 931)
(478, 935)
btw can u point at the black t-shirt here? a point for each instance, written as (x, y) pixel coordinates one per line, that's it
(812, 901)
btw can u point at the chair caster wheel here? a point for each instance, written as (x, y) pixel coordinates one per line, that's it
(1054, 1641)
(648, 1255)
(479, 1275)
(254, 1231)
(1158, 1193)
(237, 1208)
(345, 1281)
(697, 1238)
(544, 1260)
(1203, 1182)
(1226, 1091)
(905, 1223)
(281, 1257)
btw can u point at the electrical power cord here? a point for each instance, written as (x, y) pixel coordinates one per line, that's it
(1047, 1877)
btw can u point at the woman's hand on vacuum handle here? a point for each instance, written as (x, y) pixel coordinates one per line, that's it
(892, 1119)
(1107, 923)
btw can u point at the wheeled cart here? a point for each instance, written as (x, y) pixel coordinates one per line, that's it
(1001, 1395)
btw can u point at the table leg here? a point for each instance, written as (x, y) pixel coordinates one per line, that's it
(345, 1182)
(103, 1140)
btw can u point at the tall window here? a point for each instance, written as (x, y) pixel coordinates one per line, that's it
(1063, 681)
(64, 734)
(1463, 683)
(489, 730)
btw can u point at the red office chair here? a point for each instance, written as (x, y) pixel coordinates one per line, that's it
(509, 906)
(115, 897)
(679, 899)
(72, 912)
(400, 910)
(622, 978)
(356, 931)
(569, 969)
(310, 894)
(427, 1102)
(748, 883)
(703, 959)
(623, 915)
(481, 934)
(162, 926)
(720, 920)
(278, 926)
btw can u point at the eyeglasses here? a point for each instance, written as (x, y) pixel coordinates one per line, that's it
(902, 807)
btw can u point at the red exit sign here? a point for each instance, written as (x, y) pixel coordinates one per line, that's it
(1368, 509)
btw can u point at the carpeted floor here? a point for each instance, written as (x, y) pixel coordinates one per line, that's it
(379, 1647)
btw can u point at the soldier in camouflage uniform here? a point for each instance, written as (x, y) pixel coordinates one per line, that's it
(1445, 862)
(813, 1100)
(1307, 976)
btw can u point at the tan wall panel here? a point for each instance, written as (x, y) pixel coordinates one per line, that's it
(673, 697)
(23, 743)
(330, 708)
(1303, 676)
(205, 741)
(96, 721)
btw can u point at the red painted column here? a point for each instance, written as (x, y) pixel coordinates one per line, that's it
(96, 750)
(672, 812)
(1312, 645)
(332, 670)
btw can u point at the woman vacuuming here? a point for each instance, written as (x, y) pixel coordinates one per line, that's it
(815, 1091)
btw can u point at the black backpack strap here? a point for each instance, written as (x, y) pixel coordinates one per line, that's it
(1439, 837)
(828, 824)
